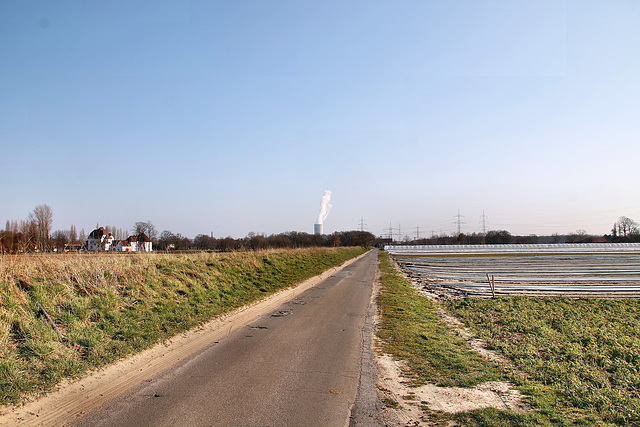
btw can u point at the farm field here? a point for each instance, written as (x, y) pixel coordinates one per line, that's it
(544, 273)
(575, 360)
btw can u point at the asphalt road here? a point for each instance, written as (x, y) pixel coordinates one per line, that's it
(299, 365)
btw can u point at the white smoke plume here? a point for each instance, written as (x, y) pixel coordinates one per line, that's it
(325, 207)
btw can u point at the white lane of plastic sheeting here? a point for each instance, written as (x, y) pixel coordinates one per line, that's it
(515, 248)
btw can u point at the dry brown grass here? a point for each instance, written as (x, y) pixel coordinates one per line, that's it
(108, 305)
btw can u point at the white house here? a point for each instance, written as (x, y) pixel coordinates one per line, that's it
(122, 246)
(140, 243)
(99, 240)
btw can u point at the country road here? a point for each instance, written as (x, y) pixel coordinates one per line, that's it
(298, 364)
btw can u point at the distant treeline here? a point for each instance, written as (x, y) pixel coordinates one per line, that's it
(34, 235)
(17, 240)
(253, 241)
(503, 237)
(624, 230)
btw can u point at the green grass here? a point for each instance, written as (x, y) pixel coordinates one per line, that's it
(110, 305)
(411, 331)
(576, 360)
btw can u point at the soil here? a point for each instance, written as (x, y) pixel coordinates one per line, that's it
(406, 402)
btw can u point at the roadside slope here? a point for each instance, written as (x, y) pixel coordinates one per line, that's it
(185, 301)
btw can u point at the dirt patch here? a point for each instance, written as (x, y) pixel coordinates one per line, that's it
(406, 402)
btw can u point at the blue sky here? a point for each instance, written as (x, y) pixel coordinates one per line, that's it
(235, 116)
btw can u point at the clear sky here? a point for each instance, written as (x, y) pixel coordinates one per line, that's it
(236, 116)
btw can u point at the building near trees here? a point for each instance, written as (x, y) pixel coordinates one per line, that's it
(122, 246)
(140, 243)
(101, 240)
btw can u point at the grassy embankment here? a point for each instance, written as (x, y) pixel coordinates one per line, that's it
(107, 306)
(577, 360)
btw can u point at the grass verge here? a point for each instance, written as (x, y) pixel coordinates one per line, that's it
(108, 306)
(411, 331)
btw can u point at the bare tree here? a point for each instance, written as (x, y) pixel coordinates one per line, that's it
(578, 236)
(144, 229)
(625, 227)
(11, 236)
(27, 236)
(42, 216)
(119, 233)
(60, 238)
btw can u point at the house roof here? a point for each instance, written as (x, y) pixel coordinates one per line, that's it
(97, 233)
(139, 238)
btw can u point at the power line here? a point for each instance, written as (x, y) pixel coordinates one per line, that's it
(392, 232)
(389, 231)
(459, 221)
(483, 218)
